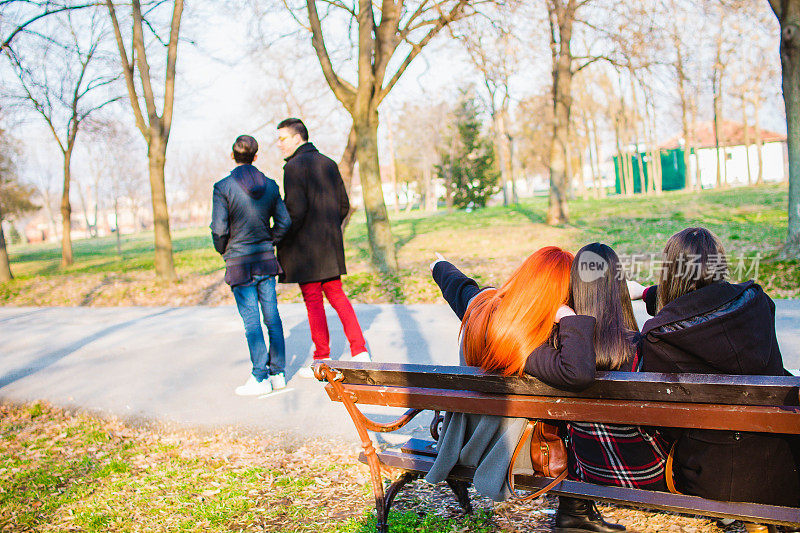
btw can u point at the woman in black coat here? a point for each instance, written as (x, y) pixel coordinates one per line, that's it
(705, 325)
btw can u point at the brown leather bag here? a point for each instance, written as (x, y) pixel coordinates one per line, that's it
(548, 456)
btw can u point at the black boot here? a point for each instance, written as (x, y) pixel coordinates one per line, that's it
(581, 516)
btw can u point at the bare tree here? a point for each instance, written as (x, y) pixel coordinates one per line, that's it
(723, 47)
(680, 32)
(534, 130)
(156, 128)
(788, 13)
(64, 85)
(565, 17)
(25, 15)
(382, 32)
(420, 137)
(15, 197)
(493, 50)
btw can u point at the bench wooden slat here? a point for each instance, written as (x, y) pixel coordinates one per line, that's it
(711, 388)
(628, 496)
(420, 447)
(665, 414)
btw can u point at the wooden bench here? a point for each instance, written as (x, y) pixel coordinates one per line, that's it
(768, 404)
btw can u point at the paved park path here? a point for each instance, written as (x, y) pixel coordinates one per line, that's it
(181, 364)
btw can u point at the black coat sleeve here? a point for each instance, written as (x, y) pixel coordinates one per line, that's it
(341, 192)
(570, 366)
(456, 288)
(296, 198)
(281, 222)
(220, 228)
(650, 299)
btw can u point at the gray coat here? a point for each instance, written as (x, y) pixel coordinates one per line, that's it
(483, 442)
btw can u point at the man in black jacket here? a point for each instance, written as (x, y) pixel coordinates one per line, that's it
(312, 254)
(243, 204)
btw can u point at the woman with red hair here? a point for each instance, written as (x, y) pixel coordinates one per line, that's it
(525, 325)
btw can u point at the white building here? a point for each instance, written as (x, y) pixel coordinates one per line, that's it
(734, 154)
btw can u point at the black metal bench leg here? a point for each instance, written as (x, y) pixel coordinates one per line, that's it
(391, 492)
(459, 488)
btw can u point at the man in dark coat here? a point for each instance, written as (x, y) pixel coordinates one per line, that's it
(312, 254)
(243, 204)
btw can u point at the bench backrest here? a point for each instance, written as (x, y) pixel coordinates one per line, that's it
(741, 403)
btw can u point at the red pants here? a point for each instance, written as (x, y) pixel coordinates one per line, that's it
(312, 296)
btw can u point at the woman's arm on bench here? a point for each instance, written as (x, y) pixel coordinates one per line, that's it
(572, 365)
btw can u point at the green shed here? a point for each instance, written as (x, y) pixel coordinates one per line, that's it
(673, 171)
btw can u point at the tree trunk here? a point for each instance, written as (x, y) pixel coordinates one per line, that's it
(716, 141)
(600, 190)
(582, 171)
(511, 162)
(51, 218)
(561, 19)
(620, 163)
(502, 148)
(85, 210)
(97, 209)
(790, 67)
(156, 155)
(698, 180)
(346, 165)
(746, 142)
(116, 224)
(392, 163)
(759, 143)
(5, 264)
(430, 189)
(659, 178)
(66, 214)
(679, 67)
(379, 230)
(644, 185)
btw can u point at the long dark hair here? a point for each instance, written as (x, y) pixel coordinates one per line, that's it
(693, 258)
(598, 289)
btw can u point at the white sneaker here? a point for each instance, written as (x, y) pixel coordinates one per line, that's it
(305, 372)
(253, 387)
(278, 381)
(362, 357)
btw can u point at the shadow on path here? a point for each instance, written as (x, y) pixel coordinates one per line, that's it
(23, 315)
(534, 216)
(299, 345)
(48, 359)
(417, 348)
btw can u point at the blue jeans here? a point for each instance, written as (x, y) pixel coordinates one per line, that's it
(248, 297)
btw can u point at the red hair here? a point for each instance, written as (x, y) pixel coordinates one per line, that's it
(503, 326)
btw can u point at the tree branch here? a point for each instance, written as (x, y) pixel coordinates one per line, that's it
(172, 57)
(443, 21)
(21, 27)
(142, 65)
(777, 8)
(127, 70)
(344, 91)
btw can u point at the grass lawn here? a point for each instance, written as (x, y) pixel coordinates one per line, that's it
(487, 244)
(63, 471)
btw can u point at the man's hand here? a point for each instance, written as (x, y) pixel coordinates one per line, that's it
(439, 257)
(563, 311)
(635, 289)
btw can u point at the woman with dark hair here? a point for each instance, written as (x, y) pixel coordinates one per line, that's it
(606, 454)
(705, 325)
